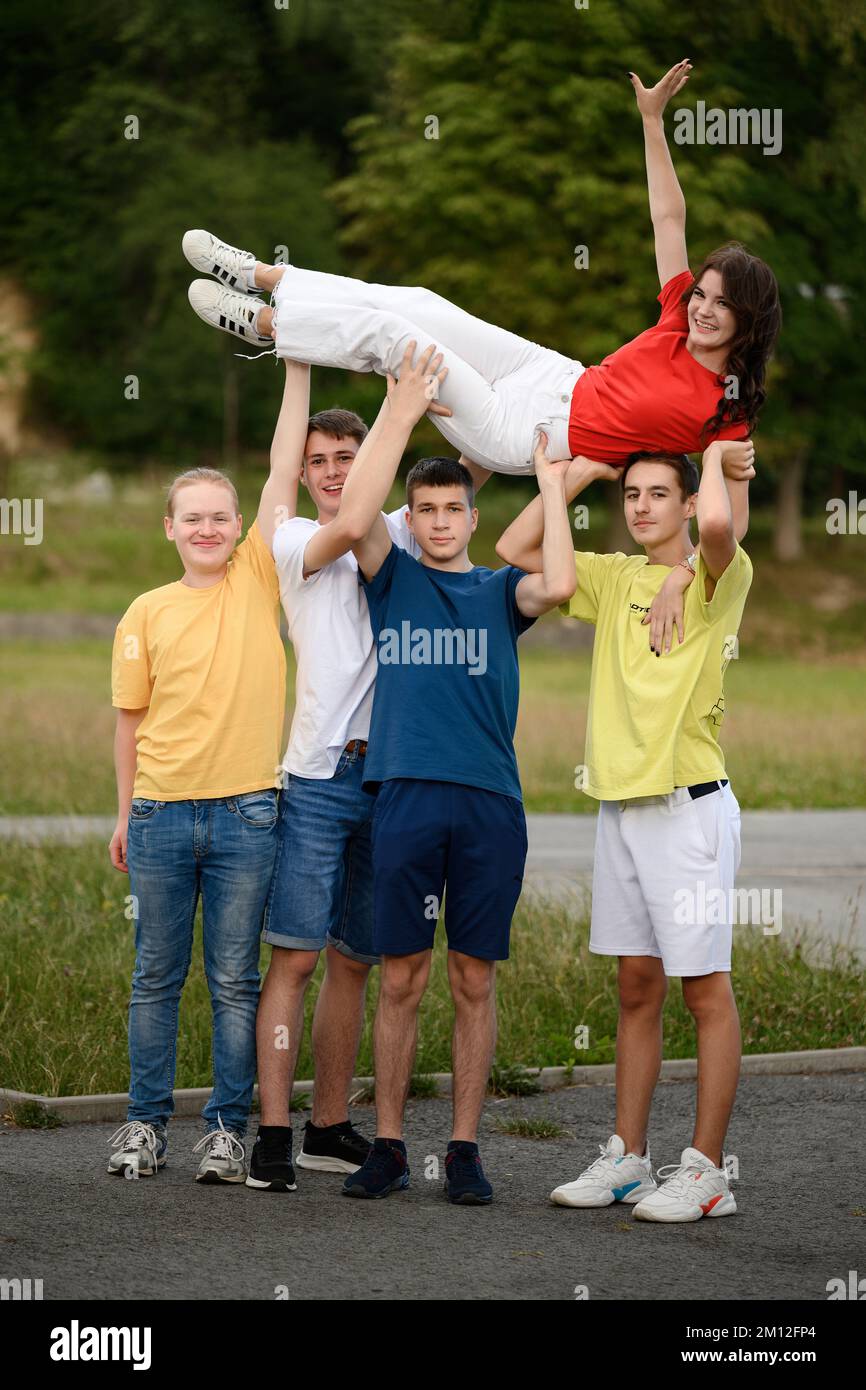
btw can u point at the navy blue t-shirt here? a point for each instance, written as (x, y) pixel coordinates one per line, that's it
(448, 681)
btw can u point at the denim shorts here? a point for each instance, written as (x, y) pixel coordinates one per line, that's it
(322, 887)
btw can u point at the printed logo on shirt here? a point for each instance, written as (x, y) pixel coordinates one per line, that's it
(438, 646)
(636, 608)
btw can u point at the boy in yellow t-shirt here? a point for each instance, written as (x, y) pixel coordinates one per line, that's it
(668, 837)
(199, 683)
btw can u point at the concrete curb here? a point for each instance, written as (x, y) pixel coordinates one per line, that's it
(90, 1109)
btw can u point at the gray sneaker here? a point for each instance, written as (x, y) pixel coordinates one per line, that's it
(141, 1149)
(225, 1156)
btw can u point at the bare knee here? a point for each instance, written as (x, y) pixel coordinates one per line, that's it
(472, 980)
(642, 983)
(346, 969)
(291, 969)
(403, 980)
(709, 996)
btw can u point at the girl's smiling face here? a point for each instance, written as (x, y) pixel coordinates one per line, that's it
(712, 322)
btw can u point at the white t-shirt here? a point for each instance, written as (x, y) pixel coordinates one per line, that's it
(329, 625)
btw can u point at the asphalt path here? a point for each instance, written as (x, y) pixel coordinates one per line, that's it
(801, 1219)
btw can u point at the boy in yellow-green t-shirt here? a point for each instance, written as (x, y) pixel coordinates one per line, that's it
(668, 836)
(199, 683)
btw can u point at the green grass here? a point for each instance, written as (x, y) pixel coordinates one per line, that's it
(66, 958)
(794, 734)
(96, 557)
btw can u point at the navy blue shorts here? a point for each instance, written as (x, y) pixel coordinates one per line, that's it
(427, 835)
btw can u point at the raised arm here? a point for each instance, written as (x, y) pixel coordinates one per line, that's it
(279, 499)
(521, 543)
(667, 204)
(666, 614)
(537, 593)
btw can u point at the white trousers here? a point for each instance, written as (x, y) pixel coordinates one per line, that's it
(500, 388)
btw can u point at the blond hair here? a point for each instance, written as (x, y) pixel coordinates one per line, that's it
(199, 475)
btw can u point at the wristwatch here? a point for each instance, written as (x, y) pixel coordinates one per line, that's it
(690, 562)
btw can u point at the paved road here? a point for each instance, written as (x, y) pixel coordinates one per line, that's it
(801, 1221)
(816, 859)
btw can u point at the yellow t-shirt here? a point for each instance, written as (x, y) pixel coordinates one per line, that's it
(210, 666)
(653, 722)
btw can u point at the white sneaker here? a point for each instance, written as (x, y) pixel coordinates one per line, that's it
(695, 1188)
(228, 309)
(614, 1177)
(225, 1159)
(140, 1149)
(214, 257)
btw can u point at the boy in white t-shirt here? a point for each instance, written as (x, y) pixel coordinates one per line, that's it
(321, 891)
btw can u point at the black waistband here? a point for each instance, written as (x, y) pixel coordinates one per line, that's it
(704, 788)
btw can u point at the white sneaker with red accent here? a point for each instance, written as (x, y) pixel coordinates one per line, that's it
(695, 1188)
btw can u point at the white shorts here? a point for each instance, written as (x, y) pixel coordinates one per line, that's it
(663, 879)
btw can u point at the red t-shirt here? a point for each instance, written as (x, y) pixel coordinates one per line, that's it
(649, 394)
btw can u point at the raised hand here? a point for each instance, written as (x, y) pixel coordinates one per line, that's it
(738, 459)
(416, 391)
(653, 100)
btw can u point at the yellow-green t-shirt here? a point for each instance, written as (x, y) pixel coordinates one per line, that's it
(210, 666)
(653, 722)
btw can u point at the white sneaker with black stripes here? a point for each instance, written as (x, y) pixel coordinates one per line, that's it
(231, 266)
(228, 309)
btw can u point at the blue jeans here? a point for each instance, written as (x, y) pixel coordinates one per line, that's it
(222, 849)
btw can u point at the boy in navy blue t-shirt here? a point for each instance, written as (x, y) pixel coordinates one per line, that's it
(441, 756)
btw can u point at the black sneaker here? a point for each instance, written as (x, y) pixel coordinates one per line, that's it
(384, 1170)
(333, 1148)
(271, 1160)
(464, 1177)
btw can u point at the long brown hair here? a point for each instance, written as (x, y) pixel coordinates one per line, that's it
(751, 290)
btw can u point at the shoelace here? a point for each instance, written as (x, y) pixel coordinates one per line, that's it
(135, 1135)
(223, 1143)
(379, 1160)
(236, 262)
(467, 1165)
(681, 1179)
(272, 1149)
(268, 352)
(606, 1157)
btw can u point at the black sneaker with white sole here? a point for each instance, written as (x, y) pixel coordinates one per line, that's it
(271, 1160)
(333, 1148)
(229, 310)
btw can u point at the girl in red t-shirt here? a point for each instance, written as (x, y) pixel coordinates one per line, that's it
(697, 375)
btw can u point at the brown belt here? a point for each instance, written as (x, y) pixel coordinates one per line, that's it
(356, 743)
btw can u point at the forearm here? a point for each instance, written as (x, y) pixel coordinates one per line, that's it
(738, 492)
(559, 578)
(124, 766)
(521, 543)
(714, 512)
(666, 199)
(290, 432)
(478, 474)
(373, 472)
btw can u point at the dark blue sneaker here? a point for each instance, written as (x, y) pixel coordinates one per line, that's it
(384, 1170)
(464, 1177)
